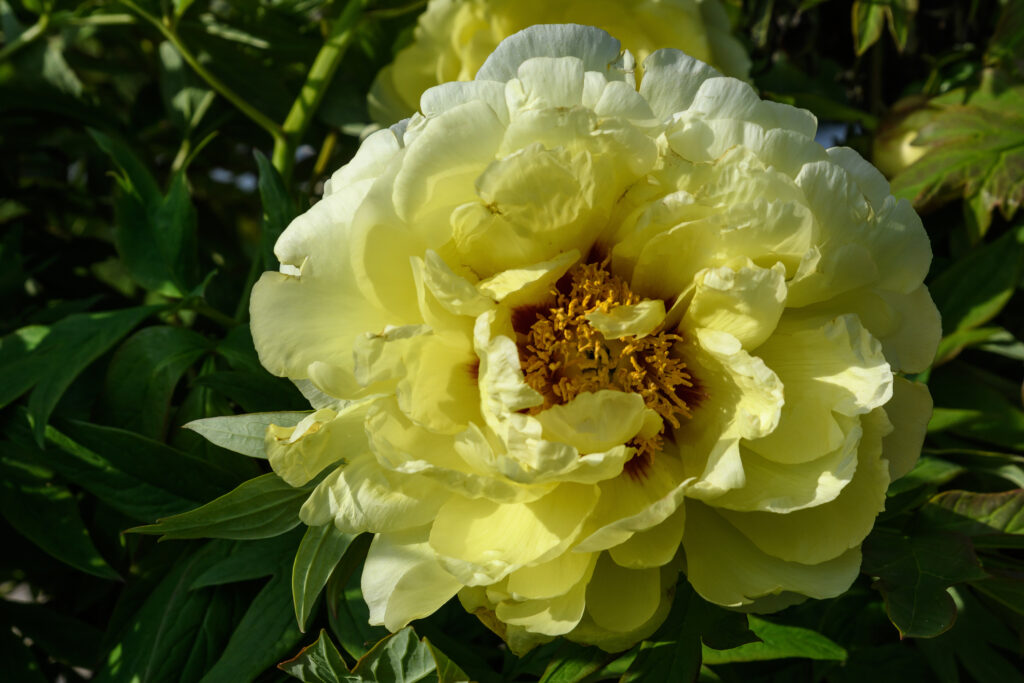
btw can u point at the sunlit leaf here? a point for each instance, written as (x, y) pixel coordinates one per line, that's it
(975, 149)
(243, 433)
(320, 550)
(318, 663)
(260, 508)
(778, 641)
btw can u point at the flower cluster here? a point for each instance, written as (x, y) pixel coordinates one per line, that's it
(580, 326)
(453, 38)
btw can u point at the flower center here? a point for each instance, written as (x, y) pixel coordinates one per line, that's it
(563, 356)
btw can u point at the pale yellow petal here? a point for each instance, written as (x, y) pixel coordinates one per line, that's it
(620, 599)
(481, 542)
(595, 421)
(632, 503)
(297, 454)
(909, 411)
(747, 303)
(552, 578)
(726, 568)
(837, 369)
(363, 496)
(654, 547)
(821, 533)
(629, 320)
(402, 580)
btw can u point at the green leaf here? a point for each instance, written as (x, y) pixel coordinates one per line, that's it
(97, 475)
(156, 234)
(1006, 48)
(135, 171)
(158, 640)
(185, 97)
(901, 17)
(319, 552)
(976, 287)
(251, 560)
(278, 210)
(994, 520)
(151, 461)
(778, 641)
(19, 366)
(347, 613)
(914, 573)
(447, 670)
(255, 392)
(973, 149)
(318, 663)
(952, 344)
(266, 633)
(927, 471)
(572, 663)
(47, 514)
(259, 508)
(243, 433)
(398, 658)
(50, 358)
(985, 649)
(868, 19)
(723, 629)
(977, 405)
(1006, 588)
(144, 373)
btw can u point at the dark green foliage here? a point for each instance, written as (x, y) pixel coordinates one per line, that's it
(149, 165)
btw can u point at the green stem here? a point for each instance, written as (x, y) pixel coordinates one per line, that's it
(27, 37)
(317, 80)
(222, 89)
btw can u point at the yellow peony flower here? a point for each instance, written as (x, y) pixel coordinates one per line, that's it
(452, 39)
(571, 331)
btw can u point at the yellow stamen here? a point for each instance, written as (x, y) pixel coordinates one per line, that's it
(562, 356)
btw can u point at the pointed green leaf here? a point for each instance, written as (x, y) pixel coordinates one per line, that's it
(96, 474)
(447, 670)
(151, 461)
(572, 663)
(318, 663)
(976, 287)
(266, 633)
(993, 520)
(160, 636)
(243, 433)
(868, 20)
(399, 658)
(259, 508)
(144, 373)
(321, 549)
(778, 641)
(251, 560)
(66, 350)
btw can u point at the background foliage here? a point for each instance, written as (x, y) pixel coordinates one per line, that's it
(153, 151)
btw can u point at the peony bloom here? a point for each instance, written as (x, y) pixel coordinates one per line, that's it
(453, 38)
(576, 328)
